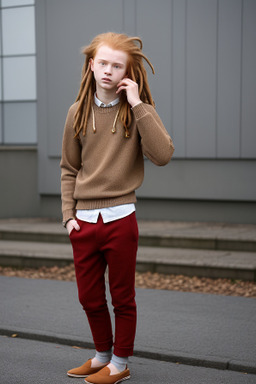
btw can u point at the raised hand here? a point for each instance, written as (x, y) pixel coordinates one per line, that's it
(131, 89)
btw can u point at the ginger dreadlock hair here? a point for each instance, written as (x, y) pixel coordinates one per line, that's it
(135, 71)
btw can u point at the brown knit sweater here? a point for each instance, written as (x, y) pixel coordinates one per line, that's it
(103, 169)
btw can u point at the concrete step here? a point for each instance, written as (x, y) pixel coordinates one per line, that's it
(190, 262)
(191, 235)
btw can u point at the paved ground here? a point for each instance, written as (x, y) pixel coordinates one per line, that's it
(30, 362)
(181, 337)
(198, 330)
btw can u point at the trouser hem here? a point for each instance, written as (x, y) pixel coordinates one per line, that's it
(123, 352)
(103, 347)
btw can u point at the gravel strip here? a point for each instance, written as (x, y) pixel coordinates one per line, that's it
(148, 280)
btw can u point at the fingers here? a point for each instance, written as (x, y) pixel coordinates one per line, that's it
(119, 89)
(125, 82)
(72, 224)
(76, 226)
(131, 89)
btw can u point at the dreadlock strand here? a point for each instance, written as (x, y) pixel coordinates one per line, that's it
(128, 120)
(86, 115)
(124, 116)
(83, 108)
(147, 60)
(133, 77)
(149, 97)
(146, 88)
(140, 81)
(132, 39)
(87, 110)
(85, 73)
(79, 114)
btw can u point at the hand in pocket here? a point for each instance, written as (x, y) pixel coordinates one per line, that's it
(72, 225)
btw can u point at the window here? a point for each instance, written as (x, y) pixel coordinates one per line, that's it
(17, 73)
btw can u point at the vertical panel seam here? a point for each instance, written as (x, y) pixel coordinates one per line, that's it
(217, 79)
(2, 79)
(47, 132)
(171, 51)
(135, 17)
(123, 20)
(241, 79)
(185, 74)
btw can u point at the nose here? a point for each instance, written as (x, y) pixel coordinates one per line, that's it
(108, 70)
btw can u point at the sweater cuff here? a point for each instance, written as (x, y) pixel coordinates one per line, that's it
(68, 214)
(139, 111)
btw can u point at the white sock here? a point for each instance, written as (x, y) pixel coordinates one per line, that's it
(117, 364)
(101, 358)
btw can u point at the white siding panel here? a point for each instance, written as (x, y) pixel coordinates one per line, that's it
(179, 78)
(248, 136)
(201, 78)
(229, 79)
(154, 27)
(130, 17)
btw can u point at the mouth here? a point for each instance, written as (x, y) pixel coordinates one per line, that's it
(106, 79)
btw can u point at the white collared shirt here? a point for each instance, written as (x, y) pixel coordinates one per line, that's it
(103, 105)
(111, 213)
(108, 214)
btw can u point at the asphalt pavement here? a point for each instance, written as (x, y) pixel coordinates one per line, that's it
(29, 362)
(181, 337)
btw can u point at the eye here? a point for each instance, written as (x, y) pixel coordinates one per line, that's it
(102, 63)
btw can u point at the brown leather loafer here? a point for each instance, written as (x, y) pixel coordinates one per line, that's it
(103, 377)
(85, 370)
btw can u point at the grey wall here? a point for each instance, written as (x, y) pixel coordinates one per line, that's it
(18, 175)
(204, 54)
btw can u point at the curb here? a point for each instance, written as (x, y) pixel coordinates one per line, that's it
(178, 358)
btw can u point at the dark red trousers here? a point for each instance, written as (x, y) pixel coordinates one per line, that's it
(95, 247)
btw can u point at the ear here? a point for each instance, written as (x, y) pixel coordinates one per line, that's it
(91, 64)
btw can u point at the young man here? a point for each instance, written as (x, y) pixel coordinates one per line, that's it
(108, 130)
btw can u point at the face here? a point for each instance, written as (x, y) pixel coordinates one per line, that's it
(109, 67)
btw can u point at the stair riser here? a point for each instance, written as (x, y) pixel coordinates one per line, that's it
(187, 270)
(149, 241)
(199, 271)
(214, 244)
(31, 262)
(35, 237)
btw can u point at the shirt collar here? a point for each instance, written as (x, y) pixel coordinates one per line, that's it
(103, 105)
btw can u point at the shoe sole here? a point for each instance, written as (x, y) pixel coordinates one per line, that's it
(116, 382)
(76, 376)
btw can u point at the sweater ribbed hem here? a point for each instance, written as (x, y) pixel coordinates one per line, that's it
(106, 203)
